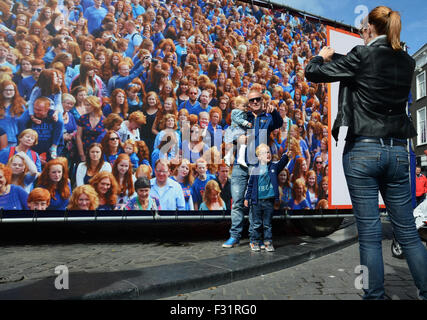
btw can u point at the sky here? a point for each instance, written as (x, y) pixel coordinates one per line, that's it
(413, 14)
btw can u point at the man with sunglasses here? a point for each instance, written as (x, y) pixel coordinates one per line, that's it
(26, 85)
(192, 103)
(264, 120)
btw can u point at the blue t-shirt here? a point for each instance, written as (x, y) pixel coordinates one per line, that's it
(265, 187)
(198, 188)
(58, 203)
(16, 199)
(94, 17)
(302, 205)
(10, 124)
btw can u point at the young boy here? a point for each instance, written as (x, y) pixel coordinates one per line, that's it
(199, 183)
(263, 196)
(38, 199)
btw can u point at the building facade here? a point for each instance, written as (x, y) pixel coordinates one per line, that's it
(418, 107)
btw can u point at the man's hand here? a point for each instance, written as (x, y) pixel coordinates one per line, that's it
(55, 116)
(326, 53)
(270, 108)
(35, 120)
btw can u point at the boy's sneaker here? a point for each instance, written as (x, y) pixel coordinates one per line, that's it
(254, 246)
(230, 243)
(262, 245)
(269, 246)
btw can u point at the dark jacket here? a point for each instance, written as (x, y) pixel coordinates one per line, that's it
(375, 85)
(274, 169)
(262, 126)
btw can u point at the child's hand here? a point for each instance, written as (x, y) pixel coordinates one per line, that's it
(246, 203)
(35, 120)
(55, 116)
(249, 125)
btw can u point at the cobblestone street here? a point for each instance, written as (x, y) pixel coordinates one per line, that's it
(330, 277)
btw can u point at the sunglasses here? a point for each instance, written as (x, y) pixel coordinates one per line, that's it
(319, 162)
(115, 138)
(362, 30)
(37, 69)
(257, 99)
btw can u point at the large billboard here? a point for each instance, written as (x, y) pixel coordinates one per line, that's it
(161, 92)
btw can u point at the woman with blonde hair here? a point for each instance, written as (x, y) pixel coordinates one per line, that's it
(24, 171)
(211, 197)
(84, 197)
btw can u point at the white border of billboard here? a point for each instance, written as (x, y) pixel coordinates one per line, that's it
(342, 42)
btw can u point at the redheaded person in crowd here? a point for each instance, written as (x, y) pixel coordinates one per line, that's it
(54, 178)
(123, 172)
(107, 188)
(38, 199)
(84, 197)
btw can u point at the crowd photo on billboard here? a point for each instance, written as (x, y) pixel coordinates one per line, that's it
(142, 105)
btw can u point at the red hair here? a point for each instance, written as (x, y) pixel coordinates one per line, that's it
(62, 186)
(111, 195)
(7, 172)
(128, 181)
(117, 108)
(18, 103)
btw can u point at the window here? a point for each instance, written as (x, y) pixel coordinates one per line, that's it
(421, 126)
(421, 85)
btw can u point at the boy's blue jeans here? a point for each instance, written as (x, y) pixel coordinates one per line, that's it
(260, 220)
(377, 167)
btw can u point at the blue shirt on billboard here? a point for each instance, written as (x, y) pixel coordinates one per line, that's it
(198, 188)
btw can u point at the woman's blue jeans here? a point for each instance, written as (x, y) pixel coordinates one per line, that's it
(371, 168)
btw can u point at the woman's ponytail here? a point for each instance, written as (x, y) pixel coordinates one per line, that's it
(387, 21)
(393, 30)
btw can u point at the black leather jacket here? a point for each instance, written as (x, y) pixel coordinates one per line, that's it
(374, 89)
